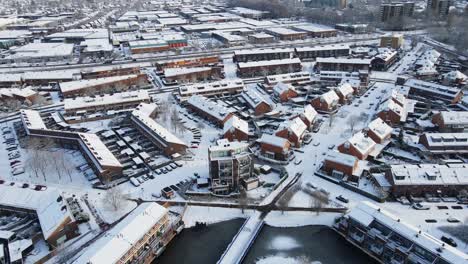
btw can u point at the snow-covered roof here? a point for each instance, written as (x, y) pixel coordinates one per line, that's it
(344, 60)
(254, 96)
(102, 155)
(173, 72)
(115, 243)
(32, 119)
(309, 113)
(447, 141)
(224, 148)
(266, 63)
(10, 92)
(281, 87)
(330, 97)
(309, 27)
(455, 118)
(215, 110)
(295, 126)
(107, 99)
(236, 123)
(455, 75)
(432, 87)
(146, 109)
(341, 158)
(323, 47)
(263, 51)
(386, 55)
(39, 50)
(380, 128)
(172, 21)
(273, 140)
(45, 203)
(367, 212)
(160, 131)
(345, 89)
(361, 142)
(430, 174)
(288, 77)
(212, 87)
(88, 83)
(390, 105)
(283, 31)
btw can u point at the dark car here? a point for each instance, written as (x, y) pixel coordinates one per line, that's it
(449, 241)
(342, 199)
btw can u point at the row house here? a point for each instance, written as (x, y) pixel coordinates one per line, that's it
(308, 115)
(293, 130)
(236, 129)
(194, 74)
(359, 145)
(187, 62)
(246, 55)
(284, 92)
(345, 92)
(211, 111)
(323, 51)
(273, 147)
(268, 67)
(445, 143)
(326, 102)
(451, 121)
(389, 239)
(379, 131)
(211, 89)
(257, 100)
(434, 91)
(337, 163)
(343, 64)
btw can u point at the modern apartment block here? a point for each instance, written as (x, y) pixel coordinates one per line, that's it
(229, 162)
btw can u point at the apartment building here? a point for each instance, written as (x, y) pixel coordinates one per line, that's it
(229, 163)
(211, 111)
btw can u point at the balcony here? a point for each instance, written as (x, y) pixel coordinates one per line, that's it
(413, 258)
(357, 237)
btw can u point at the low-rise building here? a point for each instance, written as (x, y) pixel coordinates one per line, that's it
(379, 131)
(445, 143)
(261, 38)
(236, 129)
(229, 162)
(246, 55)
(283, 33)
(389, 239)
(257, 100)
(308, 115)
(451, 121)
(395, 109)
(187, 62)
(101, 85)
(292, 130)
(392, 41)
(421, 179)
(323, 51)
(326, 102)
(117, 101)
(434, 91)
(40, 53)
(140, 237)
(384, 60)
(55, 219)
(343, 64)
(101, 160)
(263, 68)
(211, 111)
(339, 162)
(211, 89)
(17, 95)
(295, 78)
(284, 92)
(193, 74)
(317, 30)
(148, 46)
(273, 147)
(345, 92)
(156, 133)
(359, 145)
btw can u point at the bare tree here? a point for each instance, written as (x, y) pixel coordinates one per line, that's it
(353, 120)
(320, 200)
(114, 198)
(242, 199)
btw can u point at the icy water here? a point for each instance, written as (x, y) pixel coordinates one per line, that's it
(200, 246)
(309, 244)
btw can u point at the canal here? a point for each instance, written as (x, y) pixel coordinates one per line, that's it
(290, 245)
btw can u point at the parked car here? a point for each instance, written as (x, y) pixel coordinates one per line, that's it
(419, 206)
(449, 241)
(342, 199)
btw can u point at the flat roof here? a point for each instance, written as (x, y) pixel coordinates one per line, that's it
(87, 83)
(107, 99)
